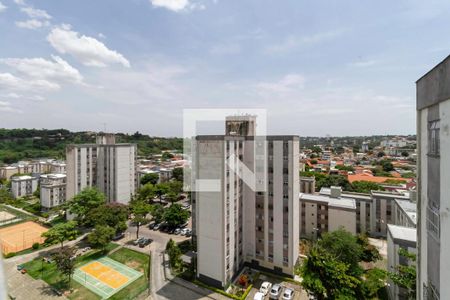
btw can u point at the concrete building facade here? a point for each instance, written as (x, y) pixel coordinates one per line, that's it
(236, 225)
(399, 237)
(109, 167)
(24, 185)
(433, 123)
(53, 190)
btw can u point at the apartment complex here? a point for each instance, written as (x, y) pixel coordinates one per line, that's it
(433, 113)
(108, 166)
(320, 214)
(23, 185)
(234, 223)
(53, 190)
(40, 166)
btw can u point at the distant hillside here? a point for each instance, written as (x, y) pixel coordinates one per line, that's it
(21, 144)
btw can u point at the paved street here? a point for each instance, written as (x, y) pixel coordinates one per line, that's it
(161, 288)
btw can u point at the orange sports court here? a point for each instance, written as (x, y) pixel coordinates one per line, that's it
(105, 276)
(22, 236)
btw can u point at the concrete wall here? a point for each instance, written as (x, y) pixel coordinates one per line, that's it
(338, 218)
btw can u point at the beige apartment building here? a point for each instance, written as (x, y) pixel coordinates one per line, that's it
(23, 185)
(320, 213)
(108, 166)
(235, 224)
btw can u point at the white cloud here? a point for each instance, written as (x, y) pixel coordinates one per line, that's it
(2, 7)
(287, 83)
(22, 97)
(39, 68)
(32, 24)
(292, 43)
(10, 82)
(88, 50)
(35, 13)
(174, 5)
(19, 2)
(7, 107)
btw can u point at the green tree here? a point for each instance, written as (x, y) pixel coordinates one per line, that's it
(405, 154)
(381, 154)
(316, 149)
(370, 252)
(175, 215)
(65, 262)
(327, 277)
(167, 156)
(366, 186)
(101, 236)
(387, 165)
(5, 195)
(174, 252)
(161, 189)
(152, 178)
(147, 192)
(405, 275)
(139, 209)
(85, 201)
(61, 232)
(344, 247)
(172, 197)
(157, 212)
(114, 215)
(177, 174)
(374, 281)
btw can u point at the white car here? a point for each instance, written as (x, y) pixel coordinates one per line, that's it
(275, 291)
(265, 287)
(258, 296)
(288, 294)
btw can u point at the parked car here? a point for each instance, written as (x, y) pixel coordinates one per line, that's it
(136, 242)
(288, 294)
(186, 206)
(275, 291)
(86, 249)
(118, 236)
(258, 296)
(265, 287)
(152, 225)
(177, 231)
(144, 242)
(20, 267)
(157, 226)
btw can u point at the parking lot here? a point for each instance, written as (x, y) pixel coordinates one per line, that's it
(299, 293)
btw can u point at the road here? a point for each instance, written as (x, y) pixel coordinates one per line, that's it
(162, 289)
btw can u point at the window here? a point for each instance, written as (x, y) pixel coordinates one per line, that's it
(433, 137)
(433, 222)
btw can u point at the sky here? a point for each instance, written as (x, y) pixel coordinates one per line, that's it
(333, 67)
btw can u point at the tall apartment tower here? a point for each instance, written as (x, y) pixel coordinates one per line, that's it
(433, 229)
(106, 165)
(235, 225)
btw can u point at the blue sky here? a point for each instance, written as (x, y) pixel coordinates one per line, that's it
(318, 67)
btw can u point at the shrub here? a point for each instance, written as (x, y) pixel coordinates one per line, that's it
(10, 254)
(35, 246)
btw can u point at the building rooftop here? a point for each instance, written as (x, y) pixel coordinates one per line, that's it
(53, 176)
(341, 202)
(410, 209)
(402, 233)
(23, 177)
(359, 196)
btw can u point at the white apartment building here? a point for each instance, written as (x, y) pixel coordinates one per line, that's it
(23, 186)
(53, 190)
(235, 226)
(433, 194)
(58, 167)
(106, 165)
(8, 171)
(405, 213)
(320, 214)
(399, 237)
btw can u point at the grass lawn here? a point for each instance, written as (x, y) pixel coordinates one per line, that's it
(132, 259)
(48, 272)
(135, 260)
